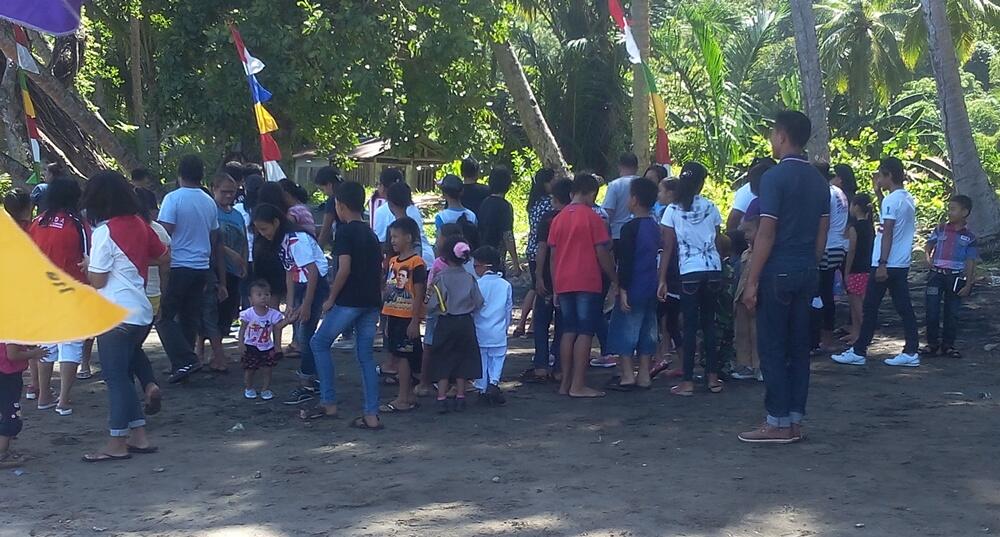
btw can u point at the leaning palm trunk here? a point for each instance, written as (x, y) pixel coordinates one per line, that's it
(807, 51)
(67, 100)
(535, 126)
(969, 177)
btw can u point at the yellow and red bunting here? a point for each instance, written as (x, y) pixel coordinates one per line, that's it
(662, 148)
(26, 63)
(271, 155)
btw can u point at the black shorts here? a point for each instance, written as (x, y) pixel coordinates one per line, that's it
(10, 404)
(255, 358)
(400, 345)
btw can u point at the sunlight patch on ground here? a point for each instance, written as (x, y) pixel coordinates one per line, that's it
(241, 531)
(456, 518)
(247, 445)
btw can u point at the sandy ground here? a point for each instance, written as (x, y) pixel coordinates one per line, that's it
(890, 452)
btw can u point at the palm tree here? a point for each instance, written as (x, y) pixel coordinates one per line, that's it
(711, 51)
(807, 50)
(640, 94)
(969, 177)
(859, 49)
(962, 17)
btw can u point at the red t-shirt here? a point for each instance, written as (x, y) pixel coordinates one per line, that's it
(575, 233)
(8, 366)
(62, 241)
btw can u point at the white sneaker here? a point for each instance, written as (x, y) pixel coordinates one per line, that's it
(848, 358)
(250, 393)
(266, 395)
(904, 360)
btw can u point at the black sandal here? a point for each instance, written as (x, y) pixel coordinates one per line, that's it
(315, 413)
(951, 352)
(928, 350)
(360, 423)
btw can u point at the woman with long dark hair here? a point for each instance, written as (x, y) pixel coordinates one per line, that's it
(691, 226)
(123, 248)
(306, 268)
(64, 237)
(539, 203)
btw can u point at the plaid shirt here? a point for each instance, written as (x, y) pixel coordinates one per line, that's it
(953, 246)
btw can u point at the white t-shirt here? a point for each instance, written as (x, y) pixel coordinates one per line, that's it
(835, 237)
(260, 327)
(381, 220)
(194, 215)
(126, 286)
(298, 251)
(426, 250)
(742, 198)
(616, 199)
(153, 278)
(900, 207)
(246, 219)
(696, 231)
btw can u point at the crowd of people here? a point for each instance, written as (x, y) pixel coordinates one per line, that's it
(654, 272)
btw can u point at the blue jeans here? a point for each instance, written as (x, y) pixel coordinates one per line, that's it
(304, 331)
(545, 315)
(634, 332)
(337, 321)
(783, 302)
(940, 288)
(581, 312)
(699, 299)
(121, 353)
(899, 290)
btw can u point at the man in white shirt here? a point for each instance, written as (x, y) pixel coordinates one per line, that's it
(191, 217)
(616, 196)
(891, 256)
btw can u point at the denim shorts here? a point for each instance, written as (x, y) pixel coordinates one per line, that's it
(634, 332)
(581, 312)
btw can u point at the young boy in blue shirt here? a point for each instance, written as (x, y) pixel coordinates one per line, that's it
(952, 254)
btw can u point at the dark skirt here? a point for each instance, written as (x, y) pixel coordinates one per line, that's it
(455, 354)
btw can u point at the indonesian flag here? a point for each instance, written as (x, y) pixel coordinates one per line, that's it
(272, 158)
(662, 151)
(251, 65)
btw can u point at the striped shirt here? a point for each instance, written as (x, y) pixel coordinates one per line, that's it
(953, 246)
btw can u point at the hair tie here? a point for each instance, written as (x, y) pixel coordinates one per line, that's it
(461, 250)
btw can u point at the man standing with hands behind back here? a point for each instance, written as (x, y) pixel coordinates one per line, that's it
(783, 277)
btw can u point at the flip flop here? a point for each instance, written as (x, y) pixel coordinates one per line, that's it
(717, 388)
(84, 375)
(615, 384)
(143, 450)
(390, 380)
(390, 408)
(51, 405)
(102, 457)
(315, 413)
(598, 395)
(676, 390)
(359, 423)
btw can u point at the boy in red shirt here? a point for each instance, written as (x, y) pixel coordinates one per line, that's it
(580, 246)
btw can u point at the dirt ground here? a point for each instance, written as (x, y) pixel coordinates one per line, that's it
(907, 452)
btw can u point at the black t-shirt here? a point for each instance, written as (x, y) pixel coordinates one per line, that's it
(147, 199)
(863, 247)
(363, 288)
(473, 196)
(544, 225)
(496, 218)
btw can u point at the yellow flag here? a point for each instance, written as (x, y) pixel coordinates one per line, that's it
(265, 122)
(29, 107)
(41, 303)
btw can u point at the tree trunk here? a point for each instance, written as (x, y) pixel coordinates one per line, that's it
(135, 72)
(966, 167)
(535, 126)
(640, 93)
(807, 51)
(74, 107)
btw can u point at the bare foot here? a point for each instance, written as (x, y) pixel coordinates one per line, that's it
(586, 393)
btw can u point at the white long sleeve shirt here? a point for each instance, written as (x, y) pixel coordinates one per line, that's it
(493, 319)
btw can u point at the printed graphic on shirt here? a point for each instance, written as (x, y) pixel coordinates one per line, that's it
(400, 281)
